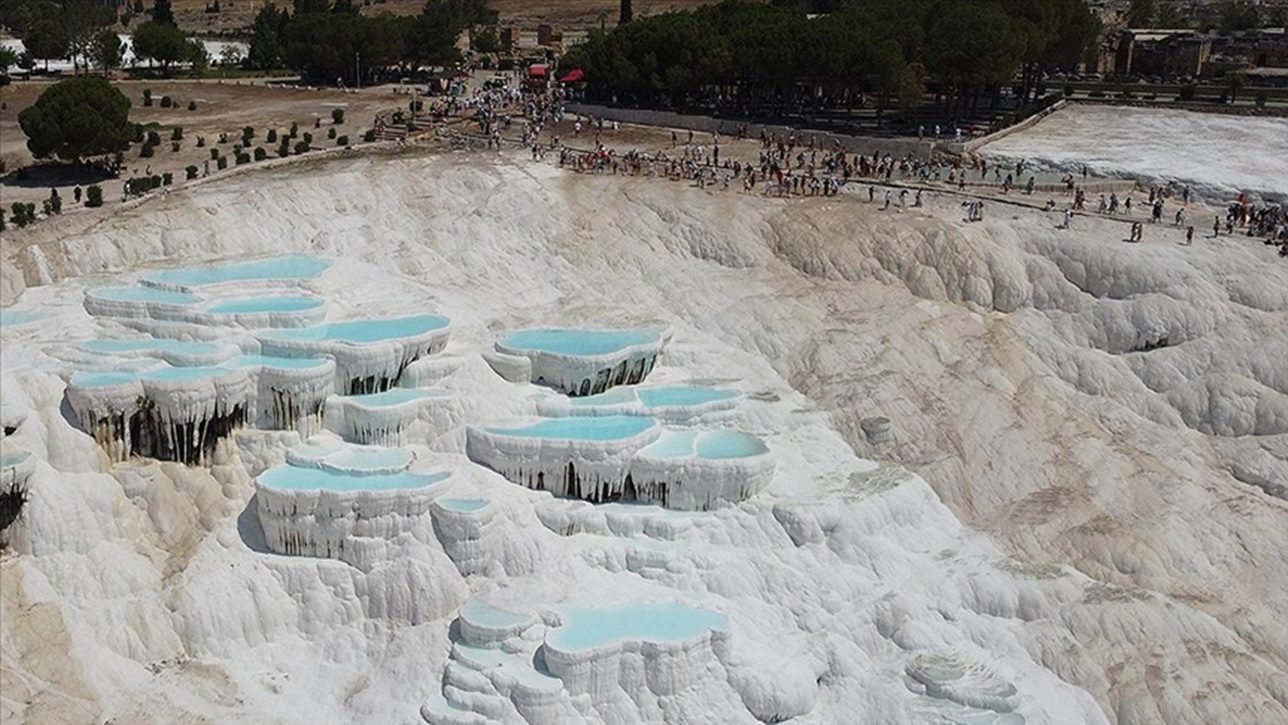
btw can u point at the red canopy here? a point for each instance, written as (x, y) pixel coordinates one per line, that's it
(574, 76)
(538, 71)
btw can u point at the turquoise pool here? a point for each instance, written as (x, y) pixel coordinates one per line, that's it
(365, 331)
(391, 397)
(586, 628)
(576, 342)
(252, 305)
(13, 458)
(19, 317)
(486, 615)
(681, 395)
(358, 460)
(289, 267)
(606, 428)
(144, 295)
(463, 505)
(294, 478)
(103, 379)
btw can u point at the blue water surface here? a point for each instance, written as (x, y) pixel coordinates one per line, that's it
(606, 428)
(289, 267)
(576, 342)
(293, 478)
(586, 628)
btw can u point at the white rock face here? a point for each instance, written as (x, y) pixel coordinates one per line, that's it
(1071, 523)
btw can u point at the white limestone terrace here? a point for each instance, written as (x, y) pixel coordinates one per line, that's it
(152, 303)
(181, 413)
(1065, 499)
(15, 468)
(587, 458)
(668, 403)
(581, 362)
(370, 354)
(383, 418)
(329, 499)
(700, 469)
(575, 663)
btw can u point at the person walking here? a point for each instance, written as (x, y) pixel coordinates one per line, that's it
(1189, 236)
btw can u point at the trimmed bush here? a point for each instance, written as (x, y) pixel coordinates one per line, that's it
(167, 178)
(1261, 99)
(93, 195)
(223, 137)
(317, 123)
(308, 137)
(330, 132)
(342, 141)
(369, 135)
(248, 133)
(154, 138)
(177, 133)
(147, 96)
(146, 151)
(201, 141)
(166, 102)
(337, 115)
(271, 136)
(242, 158)
(190, 172)
(301, 147)
(214, 154)
(1188, 92)
(1097, 93)
(174, 147)
(222, 162)
(260, 153)
(295, 130)
(1068, 91)
(192, 105)
(284, 149)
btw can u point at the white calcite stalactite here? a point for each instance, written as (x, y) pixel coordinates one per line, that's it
(592, 470)
(361, 366)
(107, 411)
(383, 419)
(294, 399)
(464, 533)
(183, 420)
(579, 374)
(693, 482)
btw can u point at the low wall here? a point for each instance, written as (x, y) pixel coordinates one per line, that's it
(974, 144)
(866, 145)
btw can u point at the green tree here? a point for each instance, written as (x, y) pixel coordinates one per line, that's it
(1239, 15)
(265, 51)
(164, 44)
(625, 14)
(486, 40)
(162, 13)
(47, 40)
(82, 20)
(107, 50)
(19, 15)
(303, 7)
(77, 118)
(8, 58)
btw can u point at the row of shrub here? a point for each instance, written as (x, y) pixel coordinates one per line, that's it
(166, 101)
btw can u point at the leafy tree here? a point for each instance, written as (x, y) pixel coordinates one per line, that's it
(162, 43)
(8, 58)
(107, 50)
(1239, 15)
(19, 15)
(463, 13)
(486, 40)
(47, 39)
(625, 13)
(162, 13)
(82, 20)
(302, 7)
(77, 118)
(265, 51)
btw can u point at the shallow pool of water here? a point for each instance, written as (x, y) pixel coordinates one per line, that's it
(103, 379)
(13, 458)
(295, 478)
(365, 331)
(718, 444)
(251, 305)
(586, 628)
(576, 342)
(391, 397)
(288, 267)
(486, 615)
(183, 375)
(20, 317)
(681, 395)
(606, 428)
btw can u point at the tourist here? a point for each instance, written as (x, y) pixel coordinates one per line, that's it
(1189, 236)
(1216, 226)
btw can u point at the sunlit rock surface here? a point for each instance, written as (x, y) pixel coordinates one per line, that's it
(1083, 529)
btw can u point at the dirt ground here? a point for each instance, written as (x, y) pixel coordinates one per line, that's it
(237, 15)
(225, 107)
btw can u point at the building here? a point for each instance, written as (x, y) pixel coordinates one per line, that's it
(1166, 53)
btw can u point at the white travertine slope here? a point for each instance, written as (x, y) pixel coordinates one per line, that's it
(1088, 526)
